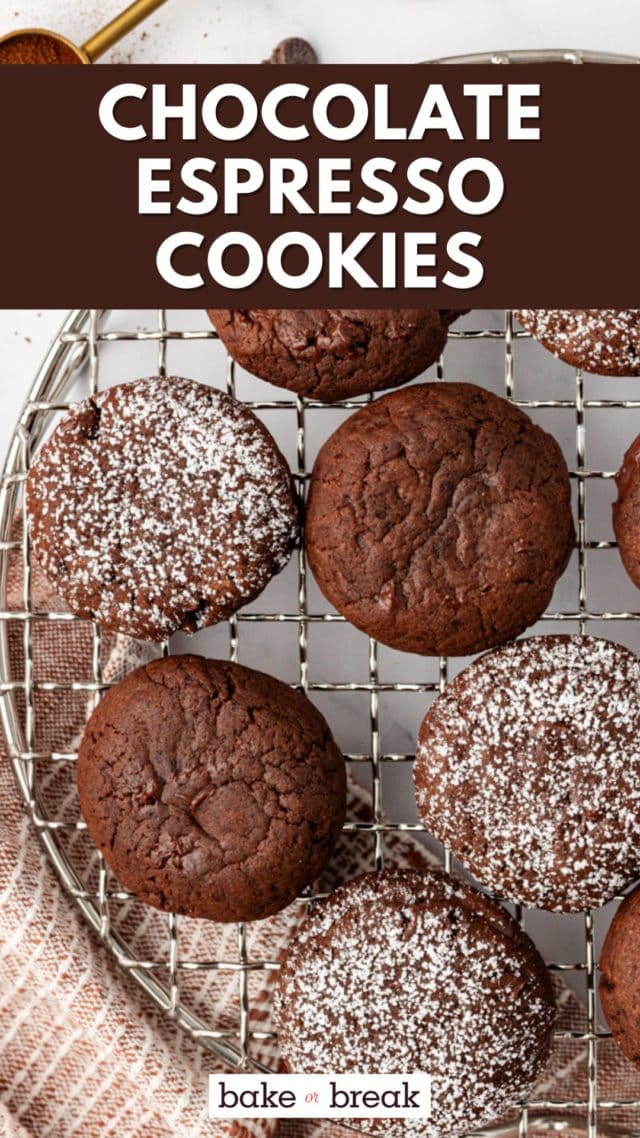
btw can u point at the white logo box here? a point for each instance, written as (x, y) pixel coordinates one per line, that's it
(319, 1096)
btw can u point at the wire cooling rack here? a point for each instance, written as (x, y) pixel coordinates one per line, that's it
(79, 350)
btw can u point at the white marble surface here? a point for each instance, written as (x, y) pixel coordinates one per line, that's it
(343, 31)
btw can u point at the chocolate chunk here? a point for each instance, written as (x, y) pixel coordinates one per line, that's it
(293, 50)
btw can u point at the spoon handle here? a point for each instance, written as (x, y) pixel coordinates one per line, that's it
(119, 27)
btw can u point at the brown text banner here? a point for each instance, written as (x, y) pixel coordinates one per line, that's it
(332, 186)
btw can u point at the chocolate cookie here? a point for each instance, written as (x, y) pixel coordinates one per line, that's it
(401, 972)
(439, 519)
(605, 341)
(160, 505)
(212, 790)
(528, 767)
(626, 511)
(331, 354)
(620, 977)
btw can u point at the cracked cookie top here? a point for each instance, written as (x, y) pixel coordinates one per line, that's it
(159, 505)
(402, 971)
(626, 511)
(331, 354)
(620, 977)
(605, 341)
(528, 767)
(211, 789)
(439, 519)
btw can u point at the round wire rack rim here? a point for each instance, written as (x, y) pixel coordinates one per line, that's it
(80, 339)
(541, 55)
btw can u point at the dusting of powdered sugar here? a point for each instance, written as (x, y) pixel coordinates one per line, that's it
(160, 504)
(400, 972)
(605, 341)
(528, 766)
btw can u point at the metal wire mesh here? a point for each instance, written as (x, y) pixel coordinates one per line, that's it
(80, 344)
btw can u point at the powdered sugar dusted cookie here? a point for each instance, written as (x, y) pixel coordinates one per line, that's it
(605, 341)
(528, 766)
(400, 972)
(160, 505)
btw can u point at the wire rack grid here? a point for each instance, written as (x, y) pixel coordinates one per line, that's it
(79, 344)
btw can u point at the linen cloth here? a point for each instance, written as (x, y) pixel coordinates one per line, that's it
(83, 1052)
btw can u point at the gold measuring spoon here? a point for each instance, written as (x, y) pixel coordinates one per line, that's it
(54, 48)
